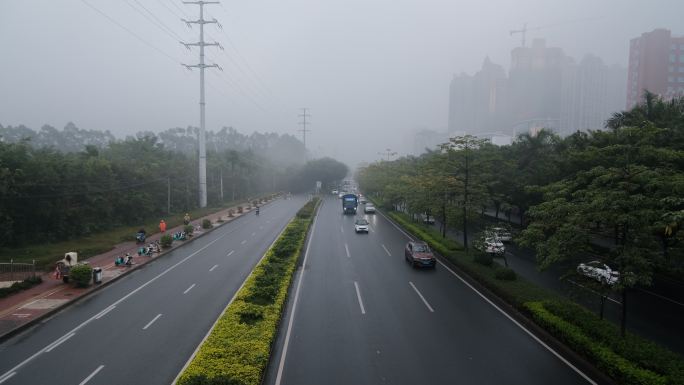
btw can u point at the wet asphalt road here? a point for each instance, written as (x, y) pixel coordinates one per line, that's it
(364, 316)
(143, 328)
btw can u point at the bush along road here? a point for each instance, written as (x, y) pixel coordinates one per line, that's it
(237, 349)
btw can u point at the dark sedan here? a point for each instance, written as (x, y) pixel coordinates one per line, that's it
(418, 254)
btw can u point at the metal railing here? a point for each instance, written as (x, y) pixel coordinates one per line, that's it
(17, 271)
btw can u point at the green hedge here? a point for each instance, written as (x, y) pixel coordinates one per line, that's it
(81, 275)
(238, 349)
(21, 285)
(629, 360)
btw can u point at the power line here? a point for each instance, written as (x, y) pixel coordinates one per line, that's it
(130, 32)
(160, 24)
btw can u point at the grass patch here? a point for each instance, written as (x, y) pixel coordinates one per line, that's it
(45, 254)
(628, 360)
(238, 349)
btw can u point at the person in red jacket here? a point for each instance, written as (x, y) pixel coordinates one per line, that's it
(162, 226)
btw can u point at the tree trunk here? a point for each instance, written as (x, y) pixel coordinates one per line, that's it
(623, 320)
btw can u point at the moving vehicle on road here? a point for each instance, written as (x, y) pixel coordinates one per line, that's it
(418, 254)
(349, 204)
(335, 192)
(361, 226)
(599, 271)
(369, 208)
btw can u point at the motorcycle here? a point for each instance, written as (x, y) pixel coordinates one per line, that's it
(140, 237)
(179, 236)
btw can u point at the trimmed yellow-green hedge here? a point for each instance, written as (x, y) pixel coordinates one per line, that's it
(237, 350)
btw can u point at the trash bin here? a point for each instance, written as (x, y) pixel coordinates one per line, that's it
(97, 275)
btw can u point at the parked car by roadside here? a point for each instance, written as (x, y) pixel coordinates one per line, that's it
(599, 271)
(428, 219)
(502, 233)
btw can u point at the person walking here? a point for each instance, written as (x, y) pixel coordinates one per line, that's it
(162, 226)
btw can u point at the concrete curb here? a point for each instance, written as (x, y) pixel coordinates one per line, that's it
(19, 329)
(575, 358)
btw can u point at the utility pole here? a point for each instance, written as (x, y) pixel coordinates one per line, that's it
(304, 115)
(202, 135)
(168, 195)
(388, 152)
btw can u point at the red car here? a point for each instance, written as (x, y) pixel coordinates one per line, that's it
(418, 254)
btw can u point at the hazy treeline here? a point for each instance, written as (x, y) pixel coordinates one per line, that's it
(61, 184)
(625, 183)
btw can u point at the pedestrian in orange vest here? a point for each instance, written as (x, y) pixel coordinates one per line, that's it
(162, 226)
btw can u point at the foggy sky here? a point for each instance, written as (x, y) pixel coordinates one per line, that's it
(371, 71)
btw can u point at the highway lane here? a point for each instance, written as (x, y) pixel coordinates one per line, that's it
(367, 317)
(144, 327)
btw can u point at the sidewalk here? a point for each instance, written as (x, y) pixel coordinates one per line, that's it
(22, 309)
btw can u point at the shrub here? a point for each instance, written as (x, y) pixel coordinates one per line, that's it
(81, 274)
(483, 259)
(239, 209)
(231, 213)
(166, 241)
(188, 229)
(206, 223)
(505, 274)
(19, 286)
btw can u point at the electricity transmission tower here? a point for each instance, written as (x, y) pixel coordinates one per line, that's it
(202, 135)
(304, 115)
(388, 152)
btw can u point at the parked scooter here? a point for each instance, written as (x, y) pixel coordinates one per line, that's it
(179, 236)
(150, 249)
(140, 236)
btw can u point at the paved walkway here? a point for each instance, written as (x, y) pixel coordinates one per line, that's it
(25, 307)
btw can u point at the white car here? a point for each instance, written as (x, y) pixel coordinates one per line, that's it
(502, 233)
(361, 226)
(494, 246)
(369, 208)
(428, 220)
(335, 192)
(599, 271)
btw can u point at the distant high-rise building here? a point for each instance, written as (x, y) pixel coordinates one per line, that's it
(535, 86)
(476, 103)
(656, 64)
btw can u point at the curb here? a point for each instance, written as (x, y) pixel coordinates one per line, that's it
(575, 358)
(19, 329)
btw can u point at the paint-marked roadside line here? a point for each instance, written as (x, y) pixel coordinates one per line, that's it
(358, 296)
(58, 342)
(386, 251)
(188, 289)
(91, 375)
(661, 296)
(7, 377)
(421, 297)
(89, 320)
(212, 269)
(105, 311)
(534, 337)
(283, 355)
(593, 291)
(151, 322)
(346, 248)
(231, 253)
(194, 354)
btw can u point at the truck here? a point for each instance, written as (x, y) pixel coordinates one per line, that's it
(349, 203)
(64, 265)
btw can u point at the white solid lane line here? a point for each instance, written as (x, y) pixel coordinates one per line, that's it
(91, 375)
(151, 322)
(421, 297)
(386, 251)
(281, 365)
(58, 342)
(8, 373)
(7, 377)
(346, 248)
(212, 269)
(358, 295)
(188, 289)
(105, 311)
(534, 337)
(231, 253)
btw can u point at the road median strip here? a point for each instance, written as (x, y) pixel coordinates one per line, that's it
(237, 349)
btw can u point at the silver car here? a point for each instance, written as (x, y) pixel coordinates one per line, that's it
(599, 271)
